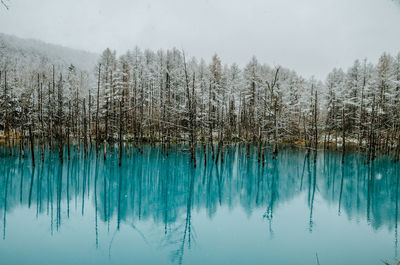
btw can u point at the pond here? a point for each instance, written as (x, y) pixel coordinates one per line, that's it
(158, 209)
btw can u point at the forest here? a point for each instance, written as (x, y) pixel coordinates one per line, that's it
(164, 97)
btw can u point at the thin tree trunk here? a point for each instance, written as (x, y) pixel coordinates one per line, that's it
(32, 147)
(85, 143)
(97, 111)
(343, 137)
(316, 126)
(120, 133)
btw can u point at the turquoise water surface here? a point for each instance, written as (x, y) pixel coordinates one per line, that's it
(160, 210)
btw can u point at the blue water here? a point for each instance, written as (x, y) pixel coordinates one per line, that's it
(159, 210)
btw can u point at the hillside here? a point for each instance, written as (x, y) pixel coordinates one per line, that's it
(30, 51)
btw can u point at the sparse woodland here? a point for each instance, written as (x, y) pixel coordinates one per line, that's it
(165, 97)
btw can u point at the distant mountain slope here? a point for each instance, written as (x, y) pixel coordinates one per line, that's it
(30, 51)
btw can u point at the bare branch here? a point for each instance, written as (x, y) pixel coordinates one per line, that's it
(3, 2)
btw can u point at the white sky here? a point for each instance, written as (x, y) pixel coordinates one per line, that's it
(309, 36)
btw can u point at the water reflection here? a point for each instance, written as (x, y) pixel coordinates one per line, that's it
(166, 190)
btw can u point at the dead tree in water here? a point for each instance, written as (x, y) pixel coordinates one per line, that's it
(210, 124)
(69, 117)
(259, 145)
(191, 107)
(120, 133)
(97, 111)
(194, 127)
(32, 145)
(272, 87)
(315, 125)
(166, 111)
(85, 143)
(343, 136)
(90, 119)
(371, 144)
(165, 102)
(307, 141)
(397, 155)
(41, 121)
(6, 103)
(60, 117)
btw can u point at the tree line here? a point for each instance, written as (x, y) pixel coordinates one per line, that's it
(163, 97)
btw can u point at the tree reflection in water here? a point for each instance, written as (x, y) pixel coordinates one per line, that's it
(166, 190)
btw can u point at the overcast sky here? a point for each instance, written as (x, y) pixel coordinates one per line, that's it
(309, 36)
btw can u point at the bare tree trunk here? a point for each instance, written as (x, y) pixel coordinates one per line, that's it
(218, 150)
(90, 119)
(194, 127)
(205, 154)
(120, 133)
(85, 142)
(97, 111)
(21, 144)
(371, 134)
(190, 106)
(6, 121)
(259, 146)
(262, 157)
(316, 125)
(343, 136)
(68, 130)
(275, 152)
(41, 123)
(210, 123)
(32, 147)
(397, 155)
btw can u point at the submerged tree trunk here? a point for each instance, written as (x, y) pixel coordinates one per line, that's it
(397, 156)
(32, 145)
(205, 154)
